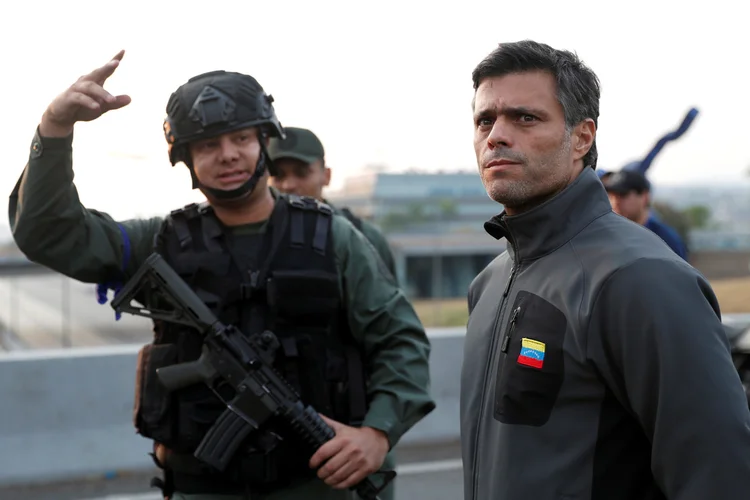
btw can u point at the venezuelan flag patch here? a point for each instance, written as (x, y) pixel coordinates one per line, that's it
(532, 353)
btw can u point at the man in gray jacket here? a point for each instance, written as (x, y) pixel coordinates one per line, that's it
(595, 364)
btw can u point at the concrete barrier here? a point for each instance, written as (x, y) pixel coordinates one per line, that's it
(66, 414)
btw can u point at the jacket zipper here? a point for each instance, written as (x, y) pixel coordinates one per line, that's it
(509, 335)
(493, 340)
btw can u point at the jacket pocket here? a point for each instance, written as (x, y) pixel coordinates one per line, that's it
(531, 370)
(152, 415)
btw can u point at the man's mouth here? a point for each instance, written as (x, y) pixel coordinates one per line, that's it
(502, 164)
(233, 176)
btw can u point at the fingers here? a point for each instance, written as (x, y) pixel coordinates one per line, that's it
(333, 424)
(93, 96)
(85, 101)
(336, 466)
(325, 452)
(344, 470)
(356, 477)
(101, 74)
(119, 102)
(94, 91)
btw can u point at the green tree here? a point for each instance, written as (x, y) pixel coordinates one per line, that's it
(685, 220)
(699, 216)
(675, 218)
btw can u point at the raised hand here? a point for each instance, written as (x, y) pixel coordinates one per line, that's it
(85, 100)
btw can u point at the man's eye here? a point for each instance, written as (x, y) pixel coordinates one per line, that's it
(484, 122)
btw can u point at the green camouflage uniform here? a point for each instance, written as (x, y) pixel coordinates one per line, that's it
(52, 228)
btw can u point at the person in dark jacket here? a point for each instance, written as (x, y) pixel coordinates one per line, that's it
(630, 194)
(595, 361)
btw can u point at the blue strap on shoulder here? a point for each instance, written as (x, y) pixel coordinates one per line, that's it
(103, 288)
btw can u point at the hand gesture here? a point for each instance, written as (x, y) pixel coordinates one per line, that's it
(85, 100)
(352, 455)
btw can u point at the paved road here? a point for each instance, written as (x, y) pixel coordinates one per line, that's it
(49, 311)
(428, 472)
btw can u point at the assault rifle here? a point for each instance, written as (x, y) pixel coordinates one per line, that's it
(244, 362)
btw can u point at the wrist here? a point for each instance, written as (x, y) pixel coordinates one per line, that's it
(381, 436)
(50, 128)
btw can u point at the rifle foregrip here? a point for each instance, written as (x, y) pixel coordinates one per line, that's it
(310, 427)
(313, 429)
(222, 440)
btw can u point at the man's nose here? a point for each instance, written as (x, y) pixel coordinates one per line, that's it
(500, 135)
(229, 150)
(288, 184)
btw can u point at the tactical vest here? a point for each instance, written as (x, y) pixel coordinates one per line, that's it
(356, 221)
(284, 280)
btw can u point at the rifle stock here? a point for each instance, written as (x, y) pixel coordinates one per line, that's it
(244, 362)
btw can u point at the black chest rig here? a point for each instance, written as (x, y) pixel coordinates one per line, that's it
(284, 280)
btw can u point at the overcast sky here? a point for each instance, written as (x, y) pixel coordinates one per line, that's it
(380, 82)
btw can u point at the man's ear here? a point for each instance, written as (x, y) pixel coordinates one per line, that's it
(584, 136)
(326, 172)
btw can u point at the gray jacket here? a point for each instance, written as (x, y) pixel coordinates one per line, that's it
(596, 366)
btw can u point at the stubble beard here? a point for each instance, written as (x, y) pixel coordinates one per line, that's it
(541, 180)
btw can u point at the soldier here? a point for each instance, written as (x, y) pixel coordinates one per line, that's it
(351, 343)
(300, 165)
(299, 162)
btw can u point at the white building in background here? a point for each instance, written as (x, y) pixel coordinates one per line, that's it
(434, 223)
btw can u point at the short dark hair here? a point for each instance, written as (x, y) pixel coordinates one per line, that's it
(578, 88)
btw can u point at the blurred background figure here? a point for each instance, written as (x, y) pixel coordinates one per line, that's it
(630, 194)
(302, 170)
(630, 191)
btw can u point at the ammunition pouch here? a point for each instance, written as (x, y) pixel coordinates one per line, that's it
(153, 410)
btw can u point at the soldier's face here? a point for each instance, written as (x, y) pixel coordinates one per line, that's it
(227, 161)
(300, 178)
(524, 152)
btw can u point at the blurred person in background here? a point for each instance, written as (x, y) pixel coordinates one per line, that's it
(630, 195)
(301, 169)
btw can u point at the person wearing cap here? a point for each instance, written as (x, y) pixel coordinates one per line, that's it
(630, 195)
(349, 341)
(301, 169)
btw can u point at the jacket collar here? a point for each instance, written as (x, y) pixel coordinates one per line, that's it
(547, 227)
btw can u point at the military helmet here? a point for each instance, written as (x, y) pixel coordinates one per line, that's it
(215, 103)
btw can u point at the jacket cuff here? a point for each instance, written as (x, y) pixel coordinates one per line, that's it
(382, 415)
(381, 418)
(40, 145)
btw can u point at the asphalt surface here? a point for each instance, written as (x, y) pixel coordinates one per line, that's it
(431, 472)
(48, 311)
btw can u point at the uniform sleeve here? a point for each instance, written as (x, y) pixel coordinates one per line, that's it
(52, 228)
(657, 339)
(395, 344)
(381, 245)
